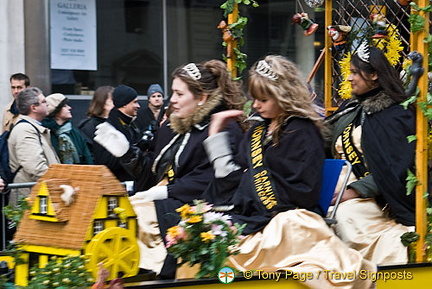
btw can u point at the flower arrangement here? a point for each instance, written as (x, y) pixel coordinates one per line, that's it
(203, 237)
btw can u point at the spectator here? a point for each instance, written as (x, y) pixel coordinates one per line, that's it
(30, 148)
(68, 142)
(97, 113)
(18, 82)
(121, 117)
(149, 118)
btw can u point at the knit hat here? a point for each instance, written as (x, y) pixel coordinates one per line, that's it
(55, 102)
(123, 94)
(154, 88)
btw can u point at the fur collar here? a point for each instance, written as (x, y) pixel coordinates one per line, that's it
(184, 125)
(375, 103)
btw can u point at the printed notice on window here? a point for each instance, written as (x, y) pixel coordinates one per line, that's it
(73, 34)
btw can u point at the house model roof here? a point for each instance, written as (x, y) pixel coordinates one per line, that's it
(94, 181)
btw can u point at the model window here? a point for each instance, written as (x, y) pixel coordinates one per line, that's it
(98, 227)
(43, 205)
(120, 224)
(112, 204)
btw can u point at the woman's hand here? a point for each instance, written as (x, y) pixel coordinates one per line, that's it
(347, 195)
(220, 119)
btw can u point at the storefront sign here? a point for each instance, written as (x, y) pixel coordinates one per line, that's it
(73, 34)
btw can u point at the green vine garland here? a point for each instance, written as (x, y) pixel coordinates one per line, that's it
(418, 23)
(236, 29)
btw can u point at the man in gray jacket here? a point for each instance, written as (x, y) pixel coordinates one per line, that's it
(30, 149)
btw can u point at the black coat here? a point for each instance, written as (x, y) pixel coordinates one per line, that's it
(125, 125)
(295, 167)
(387, 152)
(193, 171)
(88, 127)
(146, 121)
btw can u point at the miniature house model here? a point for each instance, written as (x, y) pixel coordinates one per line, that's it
(79, 210)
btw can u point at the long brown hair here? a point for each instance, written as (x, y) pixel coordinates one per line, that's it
(215, 80)
(97, 104)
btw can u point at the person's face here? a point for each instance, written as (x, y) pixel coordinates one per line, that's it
(40, 109)
(360, 83)
(267, 107)
(65, 113)
(109, 104)
(17, 86)
(183, 102)
(156, 99)
(132, 107)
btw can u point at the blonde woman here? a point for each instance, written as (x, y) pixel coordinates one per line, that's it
(276, 181)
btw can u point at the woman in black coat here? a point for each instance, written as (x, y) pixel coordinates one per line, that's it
(175, 170)
(371, 131)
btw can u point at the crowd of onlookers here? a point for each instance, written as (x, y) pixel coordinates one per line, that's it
(263, 170)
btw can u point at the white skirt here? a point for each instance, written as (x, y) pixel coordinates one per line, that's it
(365, 227)
(301, 242)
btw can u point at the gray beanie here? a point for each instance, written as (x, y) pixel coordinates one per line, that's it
(123, 94)
(154, 88)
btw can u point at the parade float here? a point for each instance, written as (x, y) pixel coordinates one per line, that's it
(101, 228)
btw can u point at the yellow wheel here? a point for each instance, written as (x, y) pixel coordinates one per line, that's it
(117, 249)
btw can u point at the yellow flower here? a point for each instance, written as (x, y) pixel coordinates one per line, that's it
(184, 211)
(173, 231)
(345, 85)
(195, 219)
(207, 236)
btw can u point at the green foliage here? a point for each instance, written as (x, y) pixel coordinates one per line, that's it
(15, 213)
(410, 100)
(418, 23)
(411, 181)
(411, 138)
(228, 6)
(409, 239)
(236, 29)
(14, 250)
(203, 237)
(65, 272)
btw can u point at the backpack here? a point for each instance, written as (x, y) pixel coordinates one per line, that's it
(8, 174)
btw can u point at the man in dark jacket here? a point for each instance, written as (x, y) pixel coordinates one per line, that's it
(121, 117)
(149, 118)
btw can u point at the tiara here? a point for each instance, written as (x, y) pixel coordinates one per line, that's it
(363, 52)
(192, 70)
(264, 69)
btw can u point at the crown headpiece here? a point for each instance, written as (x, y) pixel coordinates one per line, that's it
(264, 69)
(363, 51)
(192, 70)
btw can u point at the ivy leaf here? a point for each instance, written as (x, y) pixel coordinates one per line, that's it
(409, 237)
(417, 22)
(411, 182)
(409, 101)
(411, 138)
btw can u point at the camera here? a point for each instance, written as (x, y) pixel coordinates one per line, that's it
(145, 140)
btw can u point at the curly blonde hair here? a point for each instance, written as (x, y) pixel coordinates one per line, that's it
(289, 91)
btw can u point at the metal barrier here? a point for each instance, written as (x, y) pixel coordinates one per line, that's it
(3, 222)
